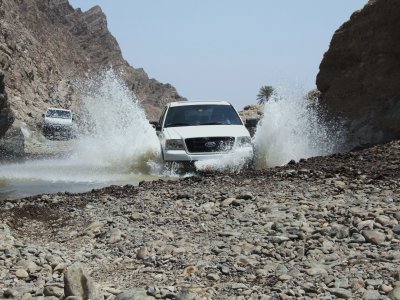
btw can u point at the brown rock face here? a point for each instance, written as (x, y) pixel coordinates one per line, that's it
(360, 74)
(45, 44)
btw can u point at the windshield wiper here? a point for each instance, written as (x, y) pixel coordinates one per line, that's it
(177, 124)
(213, 123)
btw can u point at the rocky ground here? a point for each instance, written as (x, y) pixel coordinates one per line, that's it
(324, 228)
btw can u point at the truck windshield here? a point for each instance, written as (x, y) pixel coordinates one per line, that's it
(61, 114)
(194, 115)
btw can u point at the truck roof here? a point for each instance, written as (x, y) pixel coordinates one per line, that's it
(199, 102)
(54, 108)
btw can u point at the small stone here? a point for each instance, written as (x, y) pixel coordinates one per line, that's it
(263, 272)
(340, 231)
(227, 202)
(342, 283)
(357, 238)
(53, 260)
(26, 296)
(29, 266)
(339, 184)
(142, 253)
(245, 196)
(371, 295)
(366, 224)
(386, 288)
(229, 233)
(213, 276)
(284, 277)
(137, 217)
(281, 270)
(115, 237)
(10, 293)
(59, 268)
(133, 295)
(374, 236)
(374, 282)
(396, 229)
(237, 286)
(383, 220)
(328, 279)
(186, 295)
(52, 290)
(315, 271)
(190, 270)
(395, 294)
(225, 270)
(341, 293)
(21, 274)
(357, 285)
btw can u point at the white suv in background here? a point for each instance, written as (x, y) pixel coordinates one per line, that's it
(200, 130)
(58, 122)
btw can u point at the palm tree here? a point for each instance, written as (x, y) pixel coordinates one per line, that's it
(264, 94)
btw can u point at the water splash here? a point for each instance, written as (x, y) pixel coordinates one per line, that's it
(114, 131)
(293, 128)
(114, 144)
(232, 162)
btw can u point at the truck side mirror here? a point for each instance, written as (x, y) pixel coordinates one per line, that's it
(155, 125)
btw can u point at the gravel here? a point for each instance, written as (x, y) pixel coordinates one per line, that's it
(325, 228)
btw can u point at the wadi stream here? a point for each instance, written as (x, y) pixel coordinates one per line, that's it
(115, 144)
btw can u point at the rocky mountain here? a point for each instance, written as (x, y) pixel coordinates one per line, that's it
(46, 44)
(360, 73)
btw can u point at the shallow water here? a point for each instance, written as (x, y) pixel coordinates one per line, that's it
(25, 188)
(36, 177)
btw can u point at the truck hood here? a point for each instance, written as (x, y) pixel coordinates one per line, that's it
(57, 121)
(185, 132)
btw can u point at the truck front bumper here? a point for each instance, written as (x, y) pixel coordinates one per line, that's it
(183, 156)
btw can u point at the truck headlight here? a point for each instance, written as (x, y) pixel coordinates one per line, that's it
(174, 145)
(243, 141)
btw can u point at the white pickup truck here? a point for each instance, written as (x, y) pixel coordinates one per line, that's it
(190, 131)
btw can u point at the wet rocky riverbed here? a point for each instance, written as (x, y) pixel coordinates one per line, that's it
(324, 228)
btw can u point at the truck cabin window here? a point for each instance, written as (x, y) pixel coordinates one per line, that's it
(195, 115)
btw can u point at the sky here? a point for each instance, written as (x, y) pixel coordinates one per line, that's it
(225, 49)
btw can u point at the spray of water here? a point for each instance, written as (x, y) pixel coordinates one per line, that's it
(232, 162)
(114, 142)
(293, 128)
(114, 132)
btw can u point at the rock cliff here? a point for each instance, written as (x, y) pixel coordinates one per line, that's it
(360, 73)
(46, 44)
(6, 115)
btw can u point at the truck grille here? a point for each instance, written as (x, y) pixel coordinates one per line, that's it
(210, 144)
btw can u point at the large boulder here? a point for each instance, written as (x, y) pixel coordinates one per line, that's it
(78, 283)
(359, 75)
(12, 145)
